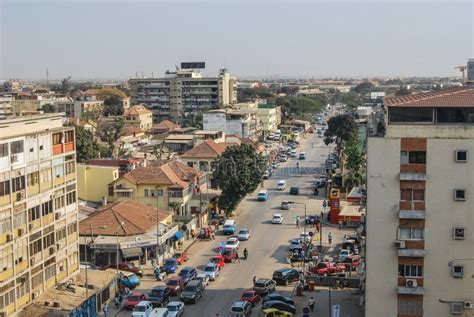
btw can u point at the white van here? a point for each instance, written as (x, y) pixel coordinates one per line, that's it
(143, 309)
(159, 312)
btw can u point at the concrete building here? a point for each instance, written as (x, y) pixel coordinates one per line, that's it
(185, 90)
(139, 117)
(38, 208)
(270, 117)
(93, 181)
(420, 223)
(243, 123)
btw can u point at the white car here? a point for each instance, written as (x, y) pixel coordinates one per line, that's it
(293, 153)
(212, 271)
(281, 185)
(175, 309)
(232, 243)
(277, 219)
(244, 234)
(305, 236)
(204, 278)
(344, 254)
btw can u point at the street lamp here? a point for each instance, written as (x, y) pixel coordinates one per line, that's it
(92, 240)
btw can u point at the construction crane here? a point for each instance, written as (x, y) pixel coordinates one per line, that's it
(462, 69)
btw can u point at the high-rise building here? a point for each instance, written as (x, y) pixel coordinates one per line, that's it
(185, 90)
(420, 218)
(38, 208)
(470, 71)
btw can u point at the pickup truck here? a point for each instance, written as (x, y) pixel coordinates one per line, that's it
(326, 268)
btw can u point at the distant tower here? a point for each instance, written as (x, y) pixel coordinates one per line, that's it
(470, 71)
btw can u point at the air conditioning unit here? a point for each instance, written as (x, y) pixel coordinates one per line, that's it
(20, 232)
(457, 308)
(51, 251)
(14, 158)
(410, 282)
(400, 244)
(21, 195)
(9, 237)
(34, 295)
(58, 246)
(468, 305)
(32, 261)
(57, 216)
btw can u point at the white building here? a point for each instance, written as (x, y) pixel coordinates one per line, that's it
(243, 123)
(420, 197)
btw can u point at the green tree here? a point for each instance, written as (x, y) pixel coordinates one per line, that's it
(86, 147)
(48, 108)
(238, 172)
(340, 129)
(193, 119)
(301, 107)
(113, 101)
(364, 87)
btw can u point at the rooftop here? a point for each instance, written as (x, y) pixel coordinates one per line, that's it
(207, 149)
(166, 124)
(453, 97)
(136, 110)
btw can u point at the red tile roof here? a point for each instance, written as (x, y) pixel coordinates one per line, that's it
(166, 124)
(207, 149)
(137, 219)
(453, 97)
(136, 110)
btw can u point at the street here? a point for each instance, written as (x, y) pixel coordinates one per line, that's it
(269, 243)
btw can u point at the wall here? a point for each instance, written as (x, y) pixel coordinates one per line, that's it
(461, 131)
(92, 181)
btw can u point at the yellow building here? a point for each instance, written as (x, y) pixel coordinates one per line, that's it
(168, 186)
(139, 117)
(270, 117)
(38, 208)
(93, 181)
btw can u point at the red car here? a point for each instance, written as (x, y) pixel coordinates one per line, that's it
(219, 260)
(130, 267)
(181, 257)
(175, 284)
(251, 296)
(134, 299)
(328, 268)
(228, 255)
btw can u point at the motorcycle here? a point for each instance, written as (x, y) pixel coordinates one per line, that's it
(160, 274)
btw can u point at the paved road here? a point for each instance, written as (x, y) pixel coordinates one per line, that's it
(268, 246)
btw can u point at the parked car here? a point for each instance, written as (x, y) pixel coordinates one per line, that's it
(281, 185)
(283, 158)
(175, 285)
(218, 260)
(277, 219)
(229, 227)
(285, 276)
(130, 267)
(159, 296)
(192, 292)
(285, 205)
(211, 270)
(262, 195)
(228, 255)
(273, 312)
(351, 262)
(295, 190)
(181, 257)
(344, 253)
(280, 306)
(133, 300)
(129, 279)
(204, 278)
(298, 242)
(243, 234)
(305, 236)
(281, 298)
(171, 265)
(240, 309)
(264, 286)
(142, 309)
(250, 295)
(175, 309)
(319, 183)
(326, 268)
(302, 156)
(293, 153)
(187, 273)
(275, 165)
(88, 265)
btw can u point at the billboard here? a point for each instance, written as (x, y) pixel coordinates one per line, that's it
(193, 65)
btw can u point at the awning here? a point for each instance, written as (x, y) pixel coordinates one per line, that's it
(178, 235)
(132, 252)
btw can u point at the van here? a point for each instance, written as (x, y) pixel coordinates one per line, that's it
(143, 309)
(192, 292)
(159, 312)
(229, 226)
(262, 195)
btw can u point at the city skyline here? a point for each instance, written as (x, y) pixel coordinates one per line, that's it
(85, 41)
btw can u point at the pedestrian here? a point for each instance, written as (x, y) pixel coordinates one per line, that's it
(330, 237)
(254, 280)
(311, 303)
(237, 259)
(105, 309)
(297, 222)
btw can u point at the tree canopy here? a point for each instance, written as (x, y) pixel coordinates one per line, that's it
(238, 172)
(364, 87)
(86, 147)
(113, 101)
(301, 107)
(340, 129)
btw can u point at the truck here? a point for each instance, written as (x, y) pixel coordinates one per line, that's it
(326, 268)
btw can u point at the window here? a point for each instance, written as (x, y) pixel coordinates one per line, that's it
(70, 167)
(411, 233)
(146, 193)
(47, 208)
(458, 233)
(58, 203)
(34, 213)
(458, 270)
(19, 220)
(7, 298)
(3, 149)
(45, 175)
(48, 240)
(5, 226)
(23, 286)
(58, 170)
(410, 270)
(6, 261)
(412, 194)
(69, 136)
(36, 246)
(413, 157)
(60, 234)
(33, 178)
(72, 228)
(18, 183)
(5, 188)
(459, 194)
(50, 272)
(37, 280)
(461, 156)
(57, 138)
(70, 198)
(17, 147)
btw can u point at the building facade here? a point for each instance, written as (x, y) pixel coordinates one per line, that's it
(93, 181)
(38, 208)
(420, 223)
(183, 91)
(139, 117)
(243, 123)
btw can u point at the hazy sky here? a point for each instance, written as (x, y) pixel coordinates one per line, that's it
(115, 39)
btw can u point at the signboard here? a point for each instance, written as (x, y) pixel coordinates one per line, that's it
(193, 65)
(311, 233)
(335, 310)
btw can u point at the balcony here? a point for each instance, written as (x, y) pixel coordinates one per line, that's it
(411, 253)
(410, 176)
(411, 214)
(405, 290)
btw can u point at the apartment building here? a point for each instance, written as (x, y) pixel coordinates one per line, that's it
(420, 220)
(269, 115)
(38, 208)
(139, 117)
(185, 90)
(243, 123)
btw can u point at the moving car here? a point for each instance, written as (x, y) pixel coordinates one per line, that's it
(212, 271)
(280, 306)
(285, 205)
(264, 286)
(251, 296)
(171, 265)
(228, 255)
(159, 296)
(218, 260)
(142, 309)
(240, 309)
(175, 285)
(129, 279)
(243, 234)
(175, 309)
(229, 227)
(285, 276)
(293, 153)
(344, 253)
(266, 175)
(296, 243)
(130, 267)
(351, 262)
(275, 165)
(277, 219)
(281, 185)
(204, 278)
(283, 158)
(281, 298)
(273, 312)
(187, 273)
(192, 292)
(181, 257)
(262, 195)
(302, 156)
(326, 268)
(133, 300)
(295, 190)
(232, 243)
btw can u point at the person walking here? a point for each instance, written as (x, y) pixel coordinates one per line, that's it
(311, 303)
(297, 222)
(330, 237)
(237, 259)
(254, 280)
(105, 309)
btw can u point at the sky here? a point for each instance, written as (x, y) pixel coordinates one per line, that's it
(115, 39)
